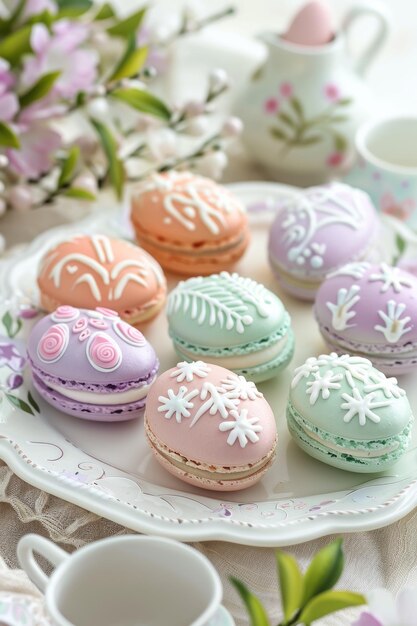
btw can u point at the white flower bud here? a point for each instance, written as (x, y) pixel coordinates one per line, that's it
(197, 126)
(98, 109)
(193, 108)
(162, 144)
(218, 80)
(213, 164)
(232, 127)
(21, 198)
(4, 161)
(86, 181)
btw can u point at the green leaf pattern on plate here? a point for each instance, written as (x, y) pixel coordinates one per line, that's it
(11, 325)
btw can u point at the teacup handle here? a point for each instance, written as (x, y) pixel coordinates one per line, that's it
(34, 543)
(380, 37)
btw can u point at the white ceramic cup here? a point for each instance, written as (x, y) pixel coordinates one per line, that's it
(124, 581)
(387, 165)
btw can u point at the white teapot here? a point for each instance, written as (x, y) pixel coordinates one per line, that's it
(303, 106)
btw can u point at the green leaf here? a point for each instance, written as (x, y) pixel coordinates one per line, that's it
(309, 141)
(298, 108)
(11, 325)
(277, 133)
(401, 244)
(68, 166)
(19, 403)
(6, 26)
(116, 170)
(129, 25)
(287, 119)
(73, 8)
(33, 402)
(143, 101)
(105, 12)
(39, 90)
(80, 194)
(257, 614)
(344, 102)
(340, 142)
(13, 47)
(291, 583)
(329, 602)
(7, 137)
(131, 62)
(324, 570)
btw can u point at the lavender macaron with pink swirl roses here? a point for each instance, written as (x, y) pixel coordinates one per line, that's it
(91, 364)
(319, 230)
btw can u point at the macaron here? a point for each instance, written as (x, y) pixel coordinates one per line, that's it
(318, 231)
(189, 223)
(346, 413)
(210, 427)
(371, 310)
(231, 321)
(91, 364)
(96, 270)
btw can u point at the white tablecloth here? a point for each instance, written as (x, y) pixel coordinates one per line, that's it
(383, 557)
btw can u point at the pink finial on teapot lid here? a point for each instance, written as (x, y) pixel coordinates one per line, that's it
(311, 26)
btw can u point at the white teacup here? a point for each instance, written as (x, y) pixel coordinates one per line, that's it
(124, 581)
(387, 166)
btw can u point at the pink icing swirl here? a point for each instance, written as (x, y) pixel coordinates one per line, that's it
(65, 314)
(103, 353)
(99, 323)
(80, 325)
(130, 334)
(53, 343)
(107, 312)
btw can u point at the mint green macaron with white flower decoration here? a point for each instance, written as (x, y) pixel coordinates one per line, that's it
(344, 412)
(232, 321)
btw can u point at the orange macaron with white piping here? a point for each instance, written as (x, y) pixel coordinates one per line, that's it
(189, 223)
(87, 271)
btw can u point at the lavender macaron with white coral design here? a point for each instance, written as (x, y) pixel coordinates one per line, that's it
(91, 364)
(371, 310)
(317, 232)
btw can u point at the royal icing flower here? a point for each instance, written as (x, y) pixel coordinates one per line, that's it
(103, 353)
(130, 334)
(53, 343)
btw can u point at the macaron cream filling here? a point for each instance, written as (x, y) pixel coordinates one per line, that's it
(108, 398)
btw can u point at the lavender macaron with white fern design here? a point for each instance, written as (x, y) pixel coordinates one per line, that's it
(232, 321)
(317, 232)
(371, 310)
(91, 364)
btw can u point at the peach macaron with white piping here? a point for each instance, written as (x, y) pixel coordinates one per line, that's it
(189, 223)
(95, 270)
(210, 427)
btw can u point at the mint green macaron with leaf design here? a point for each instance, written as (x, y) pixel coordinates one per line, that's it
(231, 321)
(344, 412)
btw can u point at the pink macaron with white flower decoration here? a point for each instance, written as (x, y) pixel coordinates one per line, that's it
(91, 364)
(319, 230)
(370, 310)
(210, 427)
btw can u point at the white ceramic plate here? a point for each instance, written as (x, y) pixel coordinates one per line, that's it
(108, 468)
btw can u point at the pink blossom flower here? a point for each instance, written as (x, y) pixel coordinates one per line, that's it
(335, 159)
(271, 106)
(34, 7)
(59, 52)
(8, 101)
(286, 90)
(38, 144)
(399, 209)
(386, 610)
(332, 92)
